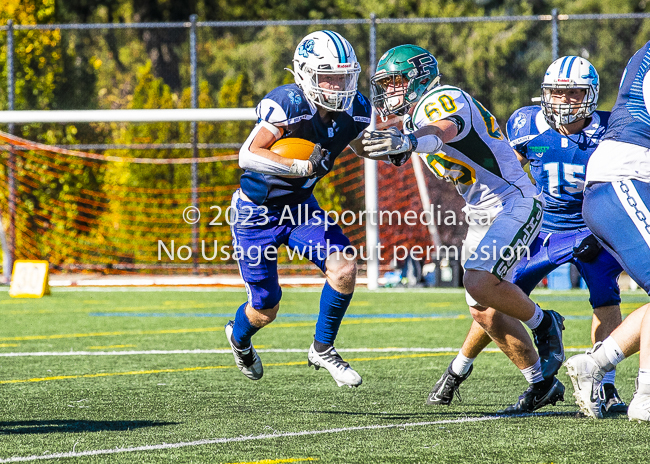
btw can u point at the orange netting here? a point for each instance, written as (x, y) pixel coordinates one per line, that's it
(95, 211)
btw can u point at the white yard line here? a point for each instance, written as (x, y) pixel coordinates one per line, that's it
(215, 441)
(228, 351)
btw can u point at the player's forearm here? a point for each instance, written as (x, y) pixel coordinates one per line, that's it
(258, 159)
(256, 156)
(445, 129)
(428, 139)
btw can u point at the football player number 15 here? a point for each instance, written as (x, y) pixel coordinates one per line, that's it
(569, 182)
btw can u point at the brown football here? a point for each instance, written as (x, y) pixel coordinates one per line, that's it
(293, 148)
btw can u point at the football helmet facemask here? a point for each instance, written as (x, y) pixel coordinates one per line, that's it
(569, 72)
(403, 75)
(325, 67)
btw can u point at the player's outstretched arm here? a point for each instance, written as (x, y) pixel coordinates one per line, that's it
(445, 129)
(255, 155)
(393, 143)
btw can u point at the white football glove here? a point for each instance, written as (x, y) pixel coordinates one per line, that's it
(388, 142)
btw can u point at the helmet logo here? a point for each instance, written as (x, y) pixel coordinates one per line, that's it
(418, 62)
(307, 47)
(592, 75)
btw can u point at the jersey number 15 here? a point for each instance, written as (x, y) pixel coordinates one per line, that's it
(569, 182)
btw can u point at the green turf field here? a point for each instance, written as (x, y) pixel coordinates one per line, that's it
(161, 403)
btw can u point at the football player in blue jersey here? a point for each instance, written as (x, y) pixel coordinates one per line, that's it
(275, 205)
(616, 208)
(557, 139)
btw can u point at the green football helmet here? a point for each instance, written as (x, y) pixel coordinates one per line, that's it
(405, 63)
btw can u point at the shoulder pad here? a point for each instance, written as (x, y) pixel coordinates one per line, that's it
(361, 110)
(440, 103)
(523, 124)
(284, 105)
(603, 118)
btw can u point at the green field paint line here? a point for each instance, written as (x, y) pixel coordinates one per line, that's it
(201, 368)
(220, 328)
(276, 461)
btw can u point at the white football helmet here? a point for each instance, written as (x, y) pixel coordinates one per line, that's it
(326, 58)
(569, 72)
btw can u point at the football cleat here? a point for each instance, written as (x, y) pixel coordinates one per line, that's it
(586, 377)
(444, 390)
(613, 402)
(340, 370)
(549, 345)
(537, 396)
(639, 409)
(247, 360)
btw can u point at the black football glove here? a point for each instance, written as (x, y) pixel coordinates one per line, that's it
(320, 161)
(399, 160)
(588, 249)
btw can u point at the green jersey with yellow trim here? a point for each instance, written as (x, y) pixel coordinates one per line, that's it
(479, 160)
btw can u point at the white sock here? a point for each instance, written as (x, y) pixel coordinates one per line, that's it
(534, 321)
(609, 377)
(533, 374)
(644, 376)
(608, 355)
(461, 364)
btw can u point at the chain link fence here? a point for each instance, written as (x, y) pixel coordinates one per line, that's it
(499, 60)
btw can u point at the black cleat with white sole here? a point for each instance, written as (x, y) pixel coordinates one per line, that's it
(537, 396)
(613, 402)
(247, 359)
(444, 390)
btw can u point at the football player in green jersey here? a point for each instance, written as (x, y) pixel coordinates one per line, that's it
(460, 141)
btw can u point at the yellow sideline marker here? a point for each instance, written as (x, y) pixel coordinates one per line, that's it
(29, 279)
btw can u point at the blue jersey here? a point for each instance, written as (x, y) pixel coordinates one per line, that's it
(288, 108)
(630, 121)
(557, 163)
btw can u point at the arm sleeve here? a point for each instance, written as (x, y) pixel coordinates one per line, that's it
(251, 162)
